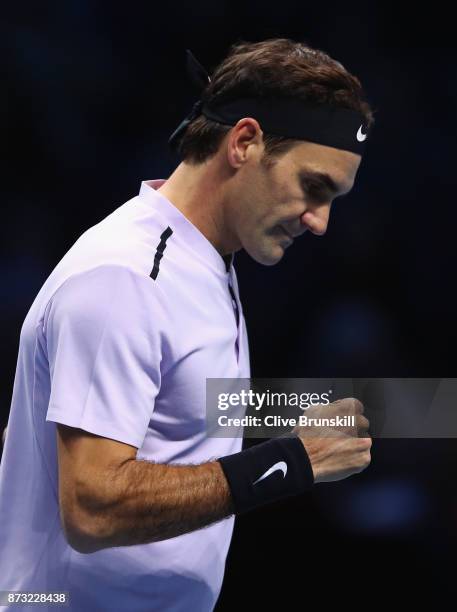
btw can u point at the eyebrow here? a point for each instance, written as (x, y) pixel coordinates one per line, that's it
(324, 179)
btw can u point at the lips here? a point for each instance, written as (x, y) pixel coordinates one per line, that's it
(286, 232)
(294, 235)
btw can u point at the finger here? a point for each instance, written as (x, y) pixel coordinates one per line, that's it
(347, 406)
(357, 405)
(363, 424)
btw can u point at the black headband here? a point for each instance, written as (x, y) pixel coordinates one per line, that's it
(338, 127)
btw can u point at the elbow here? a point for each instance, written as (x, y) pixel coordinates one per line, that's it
(81, 544)
(83, 533)
(85, 517)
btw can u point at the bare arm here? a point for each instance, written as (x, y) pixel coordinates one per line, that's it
(109, 498)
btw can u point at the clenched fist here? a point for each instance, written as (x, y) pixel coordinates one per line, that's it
(336, 446)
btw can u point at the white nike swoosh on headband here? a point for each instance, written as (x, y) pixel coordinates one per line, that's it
(281, 465)
(361, 137)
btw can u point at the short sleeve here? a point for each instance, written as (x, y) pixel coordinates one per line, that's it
(103, 346)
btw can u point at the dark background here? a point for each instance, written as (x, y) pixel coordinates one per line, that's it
(91, 92)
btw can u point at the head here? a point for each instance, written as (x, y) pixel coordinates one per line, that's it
(275, 188)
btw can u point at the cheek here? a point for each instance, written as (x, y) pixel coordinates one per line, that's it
(258, 207)
(267, 200)
(284, 197)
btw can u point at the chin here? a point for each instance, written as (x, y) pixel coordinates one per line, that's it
(267, 257)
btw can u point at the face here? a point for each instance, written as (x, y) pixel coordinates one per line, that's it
(277, 203)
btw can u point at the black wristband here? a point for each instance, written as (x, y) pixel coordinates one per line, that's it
(267, 472)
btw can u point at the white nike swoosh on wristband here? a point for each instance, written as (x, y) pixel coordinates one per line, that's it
(360, 135)
(281, 465)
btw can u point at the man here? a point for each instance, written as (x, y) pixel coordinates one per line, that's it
(110, 487)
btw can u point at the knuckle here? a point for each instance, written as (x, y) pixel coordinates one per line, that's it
(357, 405)
(362, 421)
(362, 460)
(363, 444)
(350, 405)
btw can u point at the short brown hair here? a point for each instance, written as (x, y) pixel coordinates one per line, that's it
(272, 67)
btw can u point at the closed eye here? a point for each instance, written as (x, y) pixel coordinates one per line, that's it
(320, 186)
(314, 192)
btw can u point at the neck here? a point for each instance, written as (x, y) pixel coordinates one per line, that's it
(200, 193)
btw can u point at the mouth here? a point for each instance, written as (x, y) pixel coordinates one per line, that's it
(291, 238)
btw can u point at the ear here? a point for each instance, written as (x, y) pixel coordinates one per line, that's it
(244, 139)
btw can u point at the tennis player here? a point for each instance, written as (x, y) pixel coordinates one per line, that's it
(111, 489)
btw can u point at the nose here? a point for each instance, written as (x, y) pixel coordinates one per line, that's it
(316, 218)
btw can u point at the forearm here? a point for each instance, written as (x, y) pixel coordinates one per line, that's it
(144, 502)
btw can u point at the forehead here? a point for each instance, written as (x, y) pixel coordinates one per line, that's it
(340, 165)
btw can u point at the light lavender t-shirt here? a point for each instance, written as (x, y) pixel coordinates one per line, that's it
(119, 342)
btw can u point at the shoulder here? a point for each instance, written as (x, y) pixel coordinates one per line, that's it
(107, 292)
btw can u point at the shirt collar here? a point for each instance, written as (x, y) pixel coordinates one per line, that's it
(178, 221)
